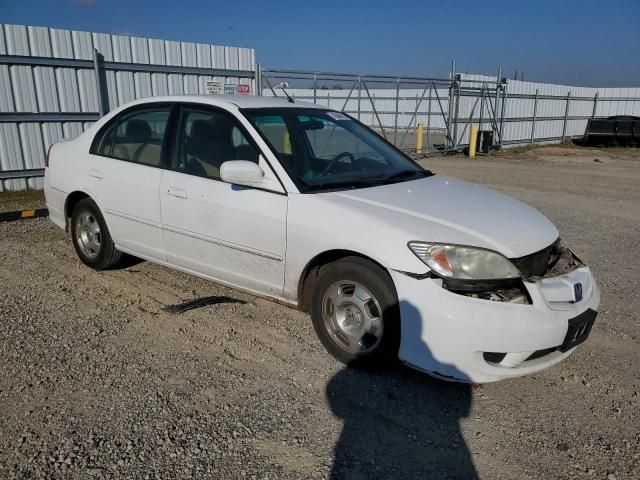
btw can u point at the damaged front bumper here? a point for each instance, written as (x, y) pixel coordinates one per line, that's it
(487, 336)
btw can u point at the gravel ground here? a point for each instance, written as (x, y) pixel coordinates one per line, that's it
(10, 201)
(98, 381)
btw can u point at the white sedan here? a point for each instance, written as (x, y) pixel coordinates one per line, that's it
(308, 207)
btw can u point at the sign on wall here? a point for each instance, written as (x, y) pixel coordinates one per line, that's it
(243, 90)
(214, 87)
(229, 88)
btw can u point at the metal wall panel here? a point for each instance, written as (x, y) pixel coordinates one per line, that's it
(189, 55)
(24, 90)
(45, 83)
(39, 42)
(82, 45)
(203, 55)
(102, 43)
(156, 52)
(142, 83)
(61, 43)
(159, 84)
(139, 50)
(173, 53)
(32, 150)
(6, 93)
(17, 39)
(88, 91)
(68, 92)
(11, 154)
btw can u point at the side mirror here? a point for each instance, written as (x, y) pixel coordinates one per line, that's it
(241, 172)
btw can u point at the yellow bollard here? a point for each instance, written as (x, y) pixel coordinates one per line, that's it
(473, 139)
(419, 135)
(286, 143)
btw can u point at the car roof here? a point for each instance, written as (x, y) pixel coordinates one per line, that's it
(240, 101)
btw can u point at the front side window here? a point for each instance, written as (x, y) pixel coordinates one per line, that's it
(207, 139)
(324, 150)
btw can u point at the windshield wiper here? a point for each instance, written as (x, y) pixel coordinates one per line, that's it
(346, 184)
(371, 182)
(406, 174)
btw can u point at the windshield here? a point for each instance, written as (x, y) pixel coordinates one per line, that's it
(328, 150)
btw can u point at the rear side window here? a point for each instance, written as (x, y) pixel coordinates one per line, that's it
(136, 137)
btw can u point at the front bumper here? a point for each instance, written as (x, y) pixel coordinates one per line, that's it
(447, 334)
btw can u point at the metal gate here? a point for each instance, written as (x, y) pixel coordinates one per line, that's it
(420, 115)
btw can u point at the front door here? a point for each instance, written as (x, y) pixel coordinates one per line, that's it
(232, 234)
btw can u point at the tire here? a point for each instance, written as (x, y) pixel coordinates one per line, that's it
(91, 238)
(341, 313)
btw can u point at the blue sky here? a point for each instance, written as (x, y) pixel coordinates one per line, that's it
(577, 42)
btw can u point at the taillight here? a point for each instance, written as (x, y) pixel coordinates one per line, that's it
(46, 157)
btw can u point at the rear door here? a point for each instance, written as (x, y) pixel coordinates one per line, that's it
(125, 168)
(230, 233)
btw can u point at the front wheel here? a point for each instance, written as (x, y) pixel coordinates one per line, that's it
(355, 313)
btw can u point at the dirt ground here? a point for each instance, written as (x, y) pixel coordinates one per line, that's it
(98, 381)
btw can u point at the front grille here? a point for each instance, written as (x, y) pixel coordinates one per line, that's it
(539, 263)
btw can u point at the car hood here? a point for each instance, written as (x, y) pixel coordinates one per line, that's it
(443, 209)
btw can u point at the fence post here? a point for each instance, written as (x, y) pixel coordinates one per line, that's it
(258, 83)
(595, 105)
(456, 112)
(533, 122)
(481, 107)
(495, 111)
(450, 141)
(99, 86)
(315, 87)
(566, 115)
(429, 116)
(502, 108)
(395, 133)
(359, 95)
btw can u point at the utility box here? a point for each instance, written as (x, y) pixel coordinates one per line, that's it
(484, 141)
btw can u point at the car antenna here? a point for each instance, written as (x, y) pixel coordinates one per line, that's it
(282, 86)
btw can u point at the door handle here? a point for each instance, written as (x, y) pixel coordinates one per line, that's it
(176, 192)
(95, 173)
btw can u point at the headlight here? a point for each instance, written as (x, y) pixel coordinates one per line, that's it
(464, 263)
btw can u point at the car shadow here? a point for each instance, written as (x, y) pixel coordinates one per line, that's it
(399, 423)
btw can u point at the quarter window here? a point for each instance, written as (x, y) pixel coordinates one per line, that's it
(207, 139)
(104, 145)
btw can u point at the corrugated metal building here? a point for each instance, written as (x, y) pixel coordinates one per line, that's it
(48, 88)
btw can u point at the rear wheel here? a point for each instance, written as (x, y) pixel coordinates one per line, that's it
(91, 237)
(355, 313)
